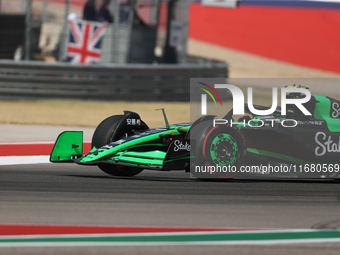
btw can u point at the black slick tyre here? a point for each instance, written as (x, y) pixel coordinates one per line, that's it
(106, 133)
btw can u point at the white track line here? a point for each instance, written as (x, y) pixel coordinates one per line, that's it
(21, 160)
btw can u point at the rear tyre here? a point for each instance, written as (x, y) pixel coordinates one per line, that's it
(220, 147)
(224, 147)
(106, 133)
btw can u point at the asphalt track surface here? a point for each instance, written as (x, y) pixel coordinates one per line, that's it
(83, 195)
(72, 194)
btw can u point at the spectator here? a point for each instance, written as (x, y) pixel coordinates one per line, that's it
(90, 12)
(104, 12)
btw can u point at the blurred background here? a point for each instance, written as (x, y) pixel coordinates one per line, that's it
(299, 32)
(151, 48)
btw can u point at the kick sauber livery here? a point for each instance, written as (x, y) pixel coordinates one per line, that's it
(123, 145)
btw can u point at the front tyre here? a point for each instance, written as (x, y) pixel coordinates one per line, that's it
(119, 171)
(105, 133)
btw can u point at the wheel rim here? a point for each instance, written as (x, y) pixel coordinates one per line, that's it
(224, 150)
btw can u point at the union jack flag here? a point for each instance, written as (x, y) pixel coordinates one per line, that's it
(84, 46)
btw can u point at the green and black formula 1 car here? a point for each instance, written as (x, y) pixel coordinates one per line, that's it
(123, 145)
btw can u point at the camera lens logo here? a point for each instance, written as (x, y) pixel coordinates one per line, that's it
(204, 97)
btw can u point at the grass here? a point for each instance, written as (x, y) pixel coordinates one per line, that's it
(87, 113)
(91, 113)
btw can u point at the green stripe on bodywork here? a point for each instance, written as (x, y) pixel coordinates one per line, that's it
(150, 159)
(183, 238)
(322, 112)
(141, 161)
(322, 108)
(104, 153)
(148, 154)
(278, 156)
